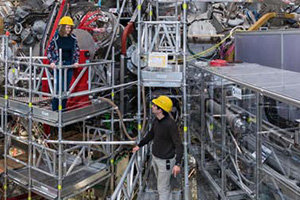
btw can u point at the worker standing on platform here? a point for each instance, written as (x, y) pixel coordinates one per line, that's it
(67, 42)
(167, 147)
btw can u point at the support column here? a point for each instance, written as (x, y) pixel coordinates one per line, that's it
(111, 134)
(5, 47)
(259, 107)
(139, 7)
(223, 130)
(60, 147)
(185, 125)
(202, 118)
(30, 127)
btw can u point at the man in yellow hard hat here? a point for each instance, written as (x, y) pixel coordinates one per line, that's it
(167, 147)
(67, 42)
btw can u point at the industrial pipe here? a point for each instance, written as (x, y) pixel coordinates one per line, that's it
(91, 142)
(235, 122)
(127, 31)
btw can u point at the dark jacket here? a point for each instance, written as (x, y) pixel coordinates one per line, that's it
(166, 139)
(53, 51)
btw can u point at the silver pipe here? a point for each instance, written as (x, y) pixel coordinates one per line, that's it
(84, 139)
(65, 81)
(17, 160)
(161, 22)
(97, 128)
(122, 71)
(33, 57)
(49, 80)
(111, 135)
(91, 142)
(60, 147)
(117, 120)
(139, 88)
(44, 172)
(5, 49)
(35, 168)
(30, 126)
(89, 147)
(259, 107)
(216, 187)
(34, 77)
(90, 78)
(76, 81)
(223, 126)
(124, 176)
(34, 92)
(202, 118)
(63, 67)
(75, 161)
(72, 148)
(104, 62)
(26, 63)
(81, 119)
(186, 167)
(97, 90)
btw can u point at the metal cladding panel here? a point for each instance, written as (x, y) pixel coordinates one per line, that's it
(278, 49)
(291, 53)
(282, 85)
(161, 79)
(260, 49)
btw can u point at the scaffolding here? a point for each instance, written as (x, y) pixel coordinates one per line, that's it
(245, 84)
(56, 168)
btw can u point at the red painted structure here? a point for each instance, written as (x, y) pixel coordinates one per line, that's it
(82, 85)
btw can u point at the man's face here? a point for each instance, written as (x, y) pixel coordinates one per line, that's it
(155, 109)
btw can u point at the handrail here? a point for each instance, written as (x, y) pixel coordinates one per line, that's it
(121, 187)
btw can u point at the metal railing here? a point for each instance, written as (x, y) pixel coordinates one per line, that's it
(128, 184)
(55, 159)
(19, 71)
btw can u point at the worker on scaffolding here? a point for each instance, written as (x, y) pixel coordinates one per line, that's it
(167, 147)
(67, 42)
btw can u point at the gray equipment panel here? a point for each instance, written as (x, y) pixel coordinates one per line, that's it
(161, 79)
(276, 49)
(281, 84)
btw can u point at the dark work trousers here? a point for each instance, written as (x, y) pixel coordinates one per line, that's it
(69, 78)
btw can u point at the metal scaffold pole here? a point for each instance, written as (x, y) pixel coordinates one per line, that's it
(30, 126)
(111, 138)
(259, 111)
(50, 169)
(139, 90)
(223, 131)
(5, 47)
(60, 147)
(186, 163)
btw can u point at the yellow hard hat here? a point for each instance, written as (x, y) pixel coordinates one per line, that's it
(163, 102)
(66, 20)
